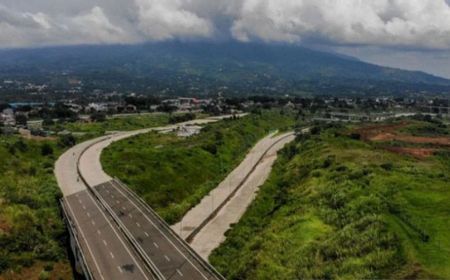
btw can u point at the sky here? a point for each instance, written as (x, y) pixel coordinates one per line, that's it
(409, 34)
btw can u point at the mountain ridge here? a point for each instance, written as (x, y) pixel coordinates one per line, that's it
(234, 65)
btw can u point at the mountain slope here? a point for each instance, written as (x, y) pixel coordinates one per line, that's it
(209, 65)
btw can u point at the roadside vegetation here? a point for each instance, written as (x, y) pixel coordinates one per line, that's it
(124, 123)
(341, 206)
(32, 233)
(173, 174)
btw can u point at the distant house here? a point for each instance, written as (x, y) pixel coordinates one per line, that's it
(74, 107)
(7, 117)
(97, 107)
(35, 125)
(187, 104)
(130, 108)
(289, 105)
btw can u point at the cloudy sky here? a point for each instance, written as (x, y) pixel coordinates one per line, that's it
(412, 34)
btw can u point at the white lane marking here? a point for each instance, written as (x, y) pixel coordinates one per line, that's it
(139, 225)
(146, 234)
(88, 214)
(170, 241)
(120, 269)
(93, 223)
(120, 239)
(84, 207)
(179, 272)
(87, 244)
(79, 201)
(112, 255)
(104, 242)
(107, 191)
(131, 216)
(123, 208)
(112, 196)
(98, 232)
(156, 245)
(167, 258)
(117, 201)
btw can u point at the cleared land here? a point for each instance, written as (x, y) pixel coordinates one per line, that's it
(336, 207)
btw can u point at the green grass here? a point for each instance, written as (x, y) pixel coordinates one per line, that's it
(31, 229)
(113, 124)
(423, 128)
(337, 208)
(173, 174)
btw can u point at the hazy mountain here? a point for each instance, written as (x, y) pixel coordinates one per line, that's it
(208, 66)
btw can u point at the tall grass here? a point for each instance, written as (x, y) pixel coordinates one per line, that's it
(339, 208)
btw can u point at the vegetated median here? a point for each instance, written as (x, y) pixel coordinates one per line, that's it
(173, 174)
(339, 207)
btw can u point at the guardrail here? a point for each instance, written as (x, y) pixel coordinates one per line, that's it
(153, 268)
(149, 264)
(167, 227)
(79, 256)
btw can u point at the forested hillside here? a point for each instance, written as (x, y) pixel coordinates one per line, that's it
(194, 68)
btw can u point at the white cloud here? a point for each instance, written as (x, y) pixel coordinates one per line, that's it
(162, 20)
(416, 23)
(95, 27)
(403, 23)
(30, 29)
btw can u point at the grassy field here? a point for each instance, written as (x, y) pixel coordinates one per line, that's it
(124, 123)
(32, 234)
(172, 174)
(336, 207)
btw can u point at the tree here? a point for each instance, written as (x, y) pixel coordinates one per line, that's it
(46, 149)
(67, 140)
(21, 119)
(167, 108)
(48, 122)
(98, 117)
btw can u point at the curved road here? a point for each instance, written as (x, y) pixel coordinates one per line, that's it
(119, 235)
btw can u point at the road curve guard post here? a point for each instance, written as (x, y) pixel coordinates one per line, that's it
(80, 260)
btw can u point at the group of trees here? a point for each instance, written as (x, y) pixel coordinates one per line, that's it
(31, 228)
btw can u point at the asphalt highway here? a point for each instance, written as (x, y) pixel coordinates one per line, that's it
(121, 237)
(104, 247)
(160, 246)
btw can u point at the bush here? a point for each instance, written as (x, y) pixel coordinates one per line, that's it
(44, 275)
(66, 141)
(387, 166)
(355, 136)
(46, 150)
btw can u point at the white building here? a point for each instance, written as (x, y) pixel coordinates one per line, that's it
(7, 117)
